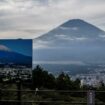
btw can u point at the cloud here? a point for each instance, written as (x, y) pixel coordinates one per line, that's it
(50, 44)
(69, 38)
(4, 48)
(81, 38)
(59, 62)
(69, 28)
(40, 44)
(102, 36)
(17, 16)
(64, 37)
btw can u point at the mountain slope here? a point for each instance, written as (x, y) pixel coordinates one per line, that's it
(8, 57)
(75, 40)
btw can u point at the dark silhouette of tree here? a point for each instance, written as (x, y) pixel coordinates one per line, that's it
(63, 82)
(101, 95)
(42, 78)
(37, 77)
(76, 84)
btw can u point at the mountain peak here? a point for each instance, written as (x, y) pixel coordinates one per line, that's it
(4, 48)
(75, 22)
(82, 25)
(75, 28)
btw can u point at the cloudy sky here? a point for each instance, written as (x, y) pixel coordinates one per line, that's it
(32, 18)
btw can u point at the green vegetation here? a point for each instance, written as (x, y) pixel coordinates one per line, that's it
(42, 79)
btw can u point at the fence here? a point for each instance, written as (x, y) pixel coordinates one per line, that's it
(82, 97)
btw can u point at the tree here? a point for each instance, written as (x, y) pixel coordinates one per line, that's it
(42, 78)
(63, 82)
(76, 84)
(101, 95)
(37, 77)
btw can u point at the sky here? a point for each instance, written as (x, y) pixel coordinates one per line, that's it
(32, 18)
(21, 46)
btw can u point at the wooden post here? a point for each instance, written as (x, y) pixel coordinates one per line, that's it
(91, 97)
(19, 92)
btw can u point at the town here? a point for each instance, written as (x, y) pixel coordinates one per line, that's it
(12, 73)
(93, 78)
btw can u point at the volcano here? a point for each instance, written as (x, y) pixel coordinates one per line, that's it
(74, 41)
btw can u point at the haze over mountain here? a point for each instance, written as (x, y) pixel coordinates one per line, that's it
(74, 42)
(7, 56)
